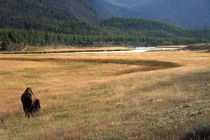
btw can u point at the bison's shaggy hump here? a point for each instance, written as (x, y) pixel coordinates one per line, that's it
(30, 103)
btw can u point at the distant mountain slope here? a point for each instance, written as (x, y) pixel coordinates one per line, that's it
(77, 8)
(186, 13)
(101, 8)
(57, 9)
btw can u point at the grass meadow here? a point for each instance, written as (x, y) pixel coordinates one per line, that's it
(150, 95)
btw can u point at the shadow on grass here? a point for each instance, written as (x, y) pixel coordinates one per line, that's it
(151, 65)
(199, 133)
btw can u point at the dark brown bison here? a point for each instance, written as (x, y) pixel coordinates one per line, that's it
(30, 103)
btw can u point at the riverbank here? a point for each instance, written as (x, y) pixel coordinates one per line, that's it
(172, 46)
(196, 47)
(92, 50)
(63, 49)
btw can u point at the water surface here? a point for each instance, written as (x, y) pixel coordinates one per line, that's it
(138, 49)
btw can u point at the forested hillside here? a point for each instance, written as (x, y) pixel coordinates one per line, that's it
(101, 7)
(42, 22)
(114, 31)
(51, 9)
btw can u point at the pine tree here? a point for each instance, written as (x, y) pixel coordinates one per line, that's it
(4, 45)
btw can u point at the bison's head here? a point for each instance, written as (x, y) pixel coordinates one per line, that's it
(28, 90)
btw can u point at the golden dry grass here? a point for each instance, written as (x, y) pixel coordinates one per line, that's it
(105, 96)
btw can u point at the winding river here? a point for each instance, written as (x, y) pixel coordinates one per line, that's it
(138, 49)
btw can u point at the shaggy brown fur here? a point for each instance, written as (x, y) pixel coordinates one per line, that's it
(30, 103)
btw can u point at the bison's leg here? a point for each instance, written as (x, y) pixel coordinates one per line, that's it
(31, 110)
(28, 112)
(25, 110)
(32, 114)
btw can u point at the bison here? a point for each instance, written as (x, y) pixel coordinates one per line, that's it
(30, 103)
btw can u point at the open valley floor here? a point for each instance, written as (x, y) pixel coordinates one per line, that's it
(148, 95)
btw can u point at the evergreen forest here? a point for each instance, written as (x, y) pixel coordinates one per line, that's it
(42, 31)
